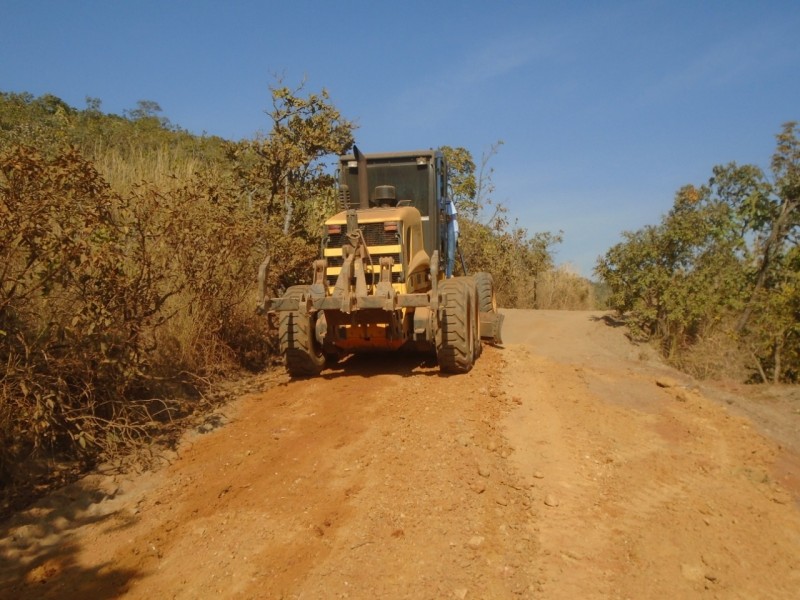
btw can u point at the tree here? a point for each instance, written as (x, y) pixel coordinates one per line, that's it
(461, 176)
(283, 172)
(145, 109)
(775, 215)
(723, 259)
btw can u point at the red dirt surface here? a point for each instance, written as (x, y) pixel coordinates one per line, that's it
(568, 464)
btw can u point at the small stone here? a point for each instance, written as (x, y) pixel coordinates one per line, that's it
(478, 487)
(502, 501)
(538, 475)
(475, 542)
(463, 439)
(460, 593)
(667, 382)
(551, 500)
(483, 470)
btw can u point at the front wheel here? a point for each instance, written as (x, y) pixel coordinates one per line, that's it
(304, 357)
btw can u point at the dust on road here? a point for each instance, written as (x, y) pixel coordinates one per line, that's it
(568, 464)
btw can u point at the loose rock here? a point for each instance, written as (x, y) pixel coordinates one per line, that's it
(667, 382)
(475, 541)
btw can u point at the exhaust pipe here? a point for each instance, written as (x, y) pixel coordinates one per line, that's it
(363, 184)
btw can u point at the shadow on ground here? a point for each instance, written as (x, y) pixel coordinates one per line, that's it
(405, 364)
(39, 557)
(612, 320)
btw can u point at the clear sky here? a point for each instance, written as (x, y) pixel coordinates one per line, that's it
(605, 108)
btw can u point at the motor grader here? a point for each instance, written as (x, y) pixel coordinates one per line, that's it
(381, 282)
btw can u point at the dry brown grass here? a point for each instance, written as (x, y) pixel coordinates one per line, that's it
(717, 356)
(562, 289)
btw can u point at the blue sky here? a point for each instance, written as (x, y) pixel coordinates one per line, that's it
(604, 108)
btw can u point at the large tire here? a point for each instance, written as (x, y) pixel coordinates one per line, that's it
(455, 349)
(304, 357)
(476, 323)
(486, 298)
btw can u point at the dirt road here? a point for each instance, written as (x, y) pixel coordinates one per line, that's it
(568, 464)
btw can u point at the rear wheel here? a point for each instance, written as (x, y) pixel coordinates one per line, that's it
(455, 348)
(486, 298)
(476, 332)
(304, 357)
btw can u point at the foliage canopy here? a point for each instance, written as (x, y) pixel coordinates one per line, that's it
(722, 264)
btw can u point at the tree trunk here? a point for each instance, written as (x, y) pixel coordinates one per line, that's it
(780, 228)
(777, 353)
(760, 368)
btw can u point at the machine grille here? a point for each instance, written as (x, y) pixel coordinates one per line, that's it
(375, 235)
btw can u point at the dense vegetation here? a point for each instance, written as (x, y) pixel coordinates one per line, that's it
(129, 250)
(717, 282)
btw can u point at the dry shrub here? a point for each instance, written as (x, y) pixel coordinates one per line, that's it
(716, 356)
(562, 289)
(108, 303)
(71, 313)
(201, 245)
(516, 292)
